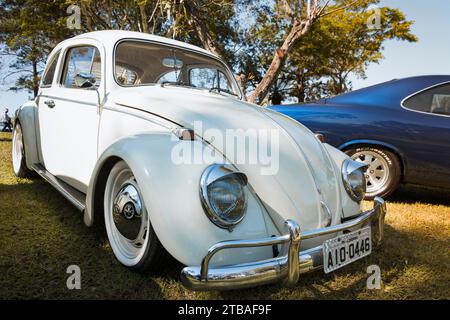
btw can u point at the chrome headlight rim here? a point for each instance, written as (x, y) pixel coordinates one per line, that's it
(350, 166)
(215, 173)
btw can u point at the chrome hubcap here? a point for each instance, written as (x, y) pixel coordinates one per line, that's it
(377, 172)
(127, 212)
(17, 151)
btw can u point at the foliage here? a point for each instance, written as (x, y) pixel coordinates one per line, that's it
(339, 44)
(30, 29)
(278, 47)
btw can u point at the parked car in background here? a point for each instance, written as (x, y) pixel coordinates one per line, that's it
(400, 129)
(231, 223)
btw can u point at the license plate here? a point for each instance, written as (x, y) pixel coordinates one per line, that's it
(346, 248)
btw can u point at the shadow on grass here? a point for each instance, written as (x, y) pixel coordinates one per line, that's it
(419, 194)
(43, 231)
(5, 137)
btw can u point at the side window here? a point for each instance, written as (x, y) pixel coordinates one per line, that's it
(203, 78)
(224, 84)
(82, 68)
(50, 71)
(209, 78)
(126, 76)
(435, 100)
(171, 76)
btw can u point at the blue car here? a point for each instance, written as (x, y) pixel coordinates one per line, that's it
(400, 129)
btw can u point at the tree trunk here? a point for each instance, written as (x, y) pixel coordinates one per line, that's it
(144, 19)
(35, 79)
(201, 28)
(85, 13)
(301, 96)
(298, 30)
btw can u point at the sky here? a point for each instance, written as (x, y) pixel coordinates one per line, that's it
(431, 55)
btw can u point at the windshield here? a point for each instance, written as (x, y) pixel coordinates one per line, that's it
(142, 63)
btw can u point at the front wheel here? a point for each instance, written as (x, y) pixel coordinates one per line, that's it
(127, 222)
(383, 172)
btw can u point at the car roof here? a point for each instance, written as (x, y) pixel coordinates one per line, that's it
(394, 91)
(111, 37)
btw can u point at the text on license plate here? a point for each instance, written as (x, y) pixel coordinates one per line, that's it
(346, 248)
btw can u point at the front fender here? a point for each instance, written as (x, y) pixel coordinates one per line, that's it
(349, 206)
(172, 198)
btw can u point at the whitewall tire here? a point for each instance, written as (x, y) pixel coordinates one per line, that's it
(18, 153)
(130, 233)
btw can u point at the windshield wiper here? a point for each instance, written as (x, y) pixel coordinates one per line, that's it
(220, 90)
(175, 83)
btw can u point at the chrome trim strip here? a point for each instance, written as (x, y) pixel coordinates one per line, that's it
(69, 100)
(420, 91)
(287, 266)
(143, 111)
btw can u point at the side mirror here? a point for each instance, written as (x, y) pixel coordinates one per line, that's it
(85, 80)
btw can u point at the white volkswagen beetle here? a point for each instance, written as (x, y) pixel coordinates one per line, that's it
(151, 136)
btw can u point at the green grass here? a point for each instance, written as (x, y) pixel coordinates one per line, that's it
(41, 234)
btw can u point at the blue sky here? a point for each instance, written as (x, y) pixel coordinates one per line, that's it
(431, 55)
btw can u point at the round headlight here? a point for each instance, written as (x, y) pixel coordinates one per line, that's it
(354, 179)
(223, 195)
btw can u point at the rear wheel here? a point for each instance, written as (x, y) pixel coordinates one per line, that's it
(383, 173)
(18, 153)
(127, 222)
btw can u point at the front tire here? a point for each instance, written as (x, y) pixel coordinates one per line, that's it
(130, 233)
(383, 174)
(18, 154)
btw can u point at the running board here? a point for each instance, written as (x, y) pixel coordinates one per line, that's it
(77, 198)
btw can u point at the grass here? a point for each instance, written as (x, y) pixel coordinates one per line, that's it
(41, 234)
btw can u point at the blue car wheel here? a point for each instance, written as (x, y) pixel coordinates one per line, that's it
(383, 172)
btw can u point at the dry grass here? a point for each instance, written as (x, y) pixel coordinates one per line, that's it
(41, 234)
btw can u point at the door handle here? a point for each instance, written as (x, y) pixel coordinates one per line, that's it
(50, 103)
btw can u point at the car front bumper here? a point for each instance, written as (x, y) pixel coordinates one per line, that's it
(289, 263)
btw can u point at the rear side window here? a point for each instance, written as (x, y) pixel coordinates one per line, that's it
(435, 100)
(82, 68)
(49, 73)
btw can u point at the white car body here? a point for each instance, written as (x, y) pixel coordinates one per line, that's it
(74, 141)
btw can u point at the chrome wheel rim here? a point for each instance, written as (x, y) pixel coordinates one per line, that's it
(17, 148)
(377, 173)
(126, 218)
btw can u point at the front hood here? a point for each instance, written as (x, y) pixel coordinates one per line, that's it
(295, 180)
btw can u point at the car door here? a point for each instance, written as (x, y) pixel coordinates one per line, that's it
(429, 130)
(69, 115)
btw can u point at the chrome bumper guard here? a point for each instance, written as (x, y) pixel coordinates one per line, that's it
(287, 266)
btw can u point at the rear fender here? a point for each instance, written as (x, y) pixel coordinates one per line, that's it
(27, 115)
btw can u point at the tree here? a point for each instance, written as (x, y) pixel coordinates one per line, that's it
(134, 15)
(30, 29)
(339, 42)
(286, 48)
